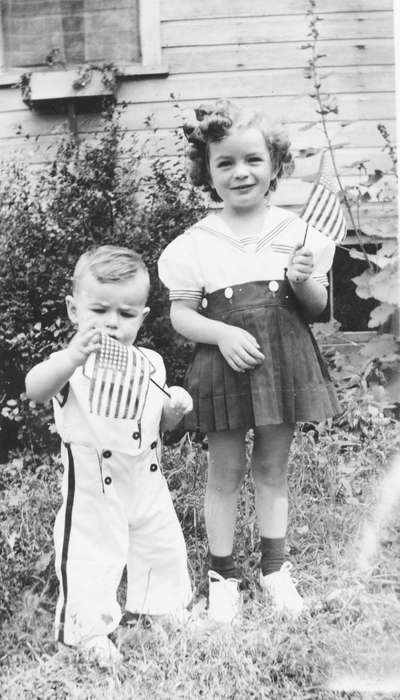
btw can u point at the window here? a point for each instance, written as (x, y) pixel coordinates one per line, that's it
(344, 305)
(40, 35)
(350, 310)
(69, 32)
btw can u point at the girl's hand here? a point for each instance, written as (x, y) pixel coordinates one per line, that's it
(301, 264)
(240, 349)
(180, 401)
(84, 342)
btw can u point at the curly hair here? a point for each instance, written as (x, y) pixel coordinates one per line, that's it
(214, 124)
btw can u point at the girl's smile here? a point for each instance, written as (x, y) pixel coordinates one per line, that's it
(241, 169)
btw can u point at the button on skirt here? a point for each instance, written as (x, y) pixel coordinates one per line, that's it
(291, 385)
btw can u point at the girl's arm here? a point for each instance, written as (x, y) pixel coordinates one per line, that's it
(311, 294)
(188, 322)
(239, 348)
(47, 378)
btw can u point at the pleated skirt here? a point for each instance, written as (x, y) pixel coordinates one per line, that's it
(291, 385)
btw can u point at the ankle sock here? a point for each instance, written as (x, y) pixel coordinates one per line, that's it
(224, 566)
(272, 554)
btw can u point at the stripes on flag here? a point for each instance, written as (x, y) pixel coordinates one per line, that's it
(119, 380)
(323, 210)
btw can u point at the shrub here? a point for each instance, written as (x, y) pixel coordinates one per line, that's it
(91, 193)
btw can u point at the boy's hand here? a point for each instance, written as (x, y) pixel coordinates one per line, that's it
(301, 264)
(240, 349)
(84, 342)
(180, 401)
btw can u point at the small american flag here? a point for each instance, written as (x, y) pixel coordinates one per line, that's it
(323, 210)
(119, 380)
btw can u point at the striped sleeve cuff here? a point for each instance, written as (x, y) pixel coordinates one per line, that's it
(322, 279)
(182, 294)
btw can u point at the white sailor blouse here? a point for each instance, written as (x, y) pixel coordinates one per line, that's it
(76, 423)
(208, 256)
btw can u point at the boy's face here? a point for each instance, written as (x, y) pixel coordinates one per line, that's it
(117, 309)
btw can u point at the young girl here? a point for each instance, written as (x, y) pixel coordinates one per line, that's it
(243, 286)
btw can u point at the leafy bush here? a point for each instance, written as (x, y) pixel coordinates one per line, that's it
(91, 193)
(28, 507)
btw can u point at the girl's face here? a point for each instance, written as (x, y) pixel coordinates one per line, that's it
(241, 169)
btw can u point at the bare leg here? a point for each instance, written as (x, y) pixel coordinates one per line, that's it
(226, 469)
(269, 467)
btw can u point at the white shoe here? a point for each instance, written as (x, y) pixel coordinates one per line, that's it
(280, 589)
(102, 650)
(224, 601)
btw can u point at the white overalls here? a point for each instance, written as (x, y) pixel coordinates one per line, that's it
(116, 511)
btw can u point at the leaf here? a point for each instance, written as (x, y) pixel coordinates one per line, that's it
(107, 619)
(388, 248)
(393, 387)
(308, 152)
(382, 285)
(357, 164)
(380, 315)
(337, 146)
(15, 499)
(309, 178)
(302, 530)
(324, 76)
(379, 260)
(380, 346)
(11, 539)
(43, 562)
(384, 227)
(374, 177)
(306, 127)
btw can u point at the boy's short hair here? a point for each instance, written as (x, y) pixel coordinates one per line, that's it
(215, 123)
(109, 263)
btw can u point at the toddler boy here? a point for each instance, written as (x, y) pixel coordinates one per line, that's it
(110, 404)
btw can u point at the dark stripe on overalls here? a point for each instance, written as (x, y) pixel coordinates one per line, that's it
(67, 534)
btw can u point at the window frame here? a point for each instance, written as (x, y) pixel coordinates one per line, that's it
(150, 49)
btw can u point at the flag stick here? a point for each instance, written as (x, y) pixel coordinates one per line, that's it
(305, 236)
(160, 387)
(153, 380)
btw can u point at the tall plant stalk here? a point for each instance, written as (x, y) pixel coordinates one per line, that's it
(324, 107)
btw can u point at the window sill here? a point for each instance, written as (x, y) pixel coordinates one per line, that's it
(61, 81)
(136, 70)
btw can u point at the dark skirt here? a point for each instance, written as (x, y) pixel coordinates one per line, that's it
(292, 384)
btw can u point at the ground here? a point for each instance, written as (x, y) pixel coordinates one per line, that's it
(344, 542)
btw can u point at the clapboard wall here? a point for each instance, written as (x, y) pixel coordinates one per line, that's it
(249, 51)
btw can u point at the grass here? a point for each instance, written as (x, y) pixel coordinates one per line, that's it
(352, 628)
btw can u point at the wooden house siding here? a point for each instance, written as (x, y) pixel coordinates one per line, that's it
(250, 51)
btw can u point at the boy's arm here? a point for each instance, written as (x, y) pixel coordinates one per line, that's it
(175, 407)
(47, 378)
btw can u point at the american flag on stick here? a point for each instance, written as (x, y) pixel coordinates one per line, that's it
(323, 210)
(119, 380)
